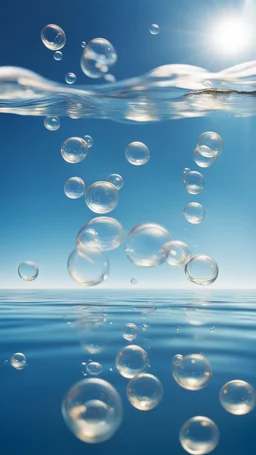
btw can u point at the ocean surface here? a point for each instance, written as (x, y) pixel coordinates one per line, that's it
(46, 327)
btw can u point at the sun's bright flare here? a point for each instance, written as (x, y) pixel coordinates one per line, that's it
(232, 36)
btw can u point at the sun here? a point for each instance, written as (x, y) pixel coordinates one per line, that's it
(232, 36)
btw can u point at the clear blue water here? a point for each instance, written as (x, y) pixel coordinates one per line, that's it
(44, 326)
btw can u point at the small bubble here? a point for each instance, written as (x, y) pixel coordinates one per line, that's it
(130, 331)
(199, 435)
(6, 362)
(194, 213)
(134, 281)
(74, 188)
(83, 44)
(192, 372)
(28, 271)
(178, 253)
(70, 78)
(74, 150)
(208, 84)
(131, 361)
(18, 361)
(144, 392)
(98, 56)
(101, 197)
(110, 369)
(137, 153)
(110, 78)
(178, 328)
(94, 368)
(105, 231)
(193, 182)
(89, 267)
(238, 397)
(154, 29)
(52, 123)
(53, 37)
(89, 141)
(58, 56)
(201, 160)
(210, 144)
(145, 327)
(116, 180)
(212, 329)
(202, 270)
(186, 170)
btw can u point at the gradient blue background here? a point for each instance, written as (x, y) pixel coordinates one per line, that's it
(39, 223)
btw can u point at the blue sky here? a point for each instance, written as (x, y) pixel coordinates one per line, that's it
(40, 224)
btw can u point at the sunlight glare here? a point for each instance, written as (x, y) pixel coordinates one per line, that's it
(232, 36)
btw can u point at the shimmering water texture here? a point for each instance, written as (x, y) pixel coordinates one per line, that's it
(166, 92)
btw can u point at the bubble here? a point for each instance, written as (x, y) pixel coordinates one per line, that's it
(134, 281)
(99, 55)
(131, 361)
(199, 435)
(101, 197)
(116, 180)
(193, 182)
(88, 267)
(194, 213)
(202, 270)
(106, 231)
(74, 150)
(28, 271)
(53, 37)
(58, 56)
(177, 360)
(18, 361)
(238, 397)
(83, 44)
(208, 84)
(94, 368)
(210, 144)
(70, 78)
(130, 331)
(212, 329)
(110, 78)
(154, 29)
(178, 253)
(52, 123)
(186, 170)
(144, 392)
(192, 372)
(92, 410)
(145, 327)
(74, 188)
(201, 160)
(146, 243)
(89, 141)
(137, 153)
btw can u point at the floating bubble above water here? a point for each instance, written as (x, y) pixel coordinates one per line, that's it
(154, 29)
(202, 270)
(210, 144)
(99, 55)
(74, 150)
(192, 372)
(58, 56)
(93, 410)
(74, 188)
(88, 267)
(101, 197)
(137, 153)
(53, 37)
(18, 361)
(186, 170)
(93, 368)
(116, 180)
(106, 231)
(28, 271)
(178, 253)
(131, 361)
(110, 78)
(194, 213)
(193, 182)
(83, 44)
(52, 123)
(145, 392)
(201, 160)
(130, 331)
(199, 435)
(70, 78)
(146, 245)
(238, 397)
(89, 141)
(134, 281)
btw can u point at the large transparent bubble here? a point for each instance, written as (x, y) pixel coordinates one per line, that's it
(178, 253)
(238, 397)
(109, 233)
(145, 392)
(192, 372)
(193, 182)
(18, 361)
(199, 435)
(194, 213)
(210, 144)
(74, 150)
(88, 267)
(116, 180)
(92, 410)
(146, 245)
(101, 197)
(137, 153)
(130, 331)
(28, 271)
(74, 188)
(53, 37)
(202, 160)
(131, 361)
(202, 270)
(98, 56)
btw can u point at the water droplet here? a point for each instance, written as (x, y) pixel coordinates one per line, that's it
(105, 231)
(193, 182)
(88, 267)
(74, 188)
(101, 197)
(70, 78)
(52, 123)
(131, 361)
(93, 410)
(83, 44)
(210, 144)
(74, 150)
(94, 368)
(130, 331)
(6, 362)
(238, 397)
(116, 180)
(89, 141)
(53, 37)
(58, 56)
(154, 29)
(186, 170)
(145, 392)
(110, 78)
(202, 270)
(194, 213)
(178, 253)
(201, 160)
(28, 271)
(134, 281)
(199, 435)
(99, 55)
(137, 153)
(145, 245)
(145, 327)
(18, 361)
(192, 372)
